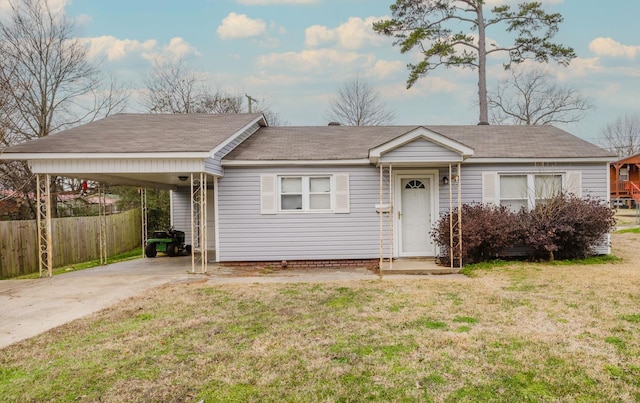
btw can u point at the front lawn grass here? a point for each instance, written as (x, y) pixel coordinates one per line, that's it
(531, 333)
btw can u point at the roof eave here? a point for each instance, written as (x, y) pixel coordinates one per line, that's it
(279, 163)
(515, 160)
(10, 156)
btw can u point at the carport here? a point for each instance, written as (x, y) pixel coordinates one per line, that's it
(142, 150)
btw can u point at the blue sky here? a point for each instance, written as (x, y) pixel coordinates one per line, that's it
(295, 54)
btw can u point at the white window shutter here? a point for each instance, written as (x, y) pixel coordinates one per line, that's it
(342, 194)
(574, 183)
(490, 188)
(268, 201)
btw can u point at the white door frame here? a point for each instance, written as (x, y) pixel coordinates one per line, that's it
(399, 174)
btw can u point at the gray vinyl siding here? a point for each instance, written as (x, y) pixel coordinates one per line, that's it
(594, 182)
(181, 214)
(181, 211)
(420, 151)
(213, 165)
(594, 179)
(247, 235)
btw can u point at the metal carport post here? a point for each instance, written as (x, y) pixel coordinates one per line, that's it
(199, 222)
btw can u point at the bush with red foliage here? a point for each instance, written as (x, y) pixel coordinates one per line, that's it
(488, 230)
(566, 227)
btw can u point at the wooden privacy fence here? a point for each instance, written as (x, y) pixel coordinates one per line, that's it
(75, 239)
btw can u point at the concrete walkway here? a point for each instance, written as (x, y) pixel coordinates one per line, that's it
(30, 307)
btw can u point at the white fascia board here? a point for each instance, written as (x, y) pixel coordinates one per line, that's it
(110, 156)
(410, 163)
(535, 160)
(231, 138)
(280, 163)
(424, 133)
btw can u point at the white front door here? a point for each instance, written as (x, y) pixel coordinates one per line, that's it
(414, 218)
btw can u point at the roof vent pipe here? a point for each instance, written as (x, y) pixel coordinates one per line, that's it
(334, 124)
(483, 124)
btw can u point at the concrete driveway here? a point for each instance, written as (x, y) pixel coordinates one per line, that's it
(30, 307)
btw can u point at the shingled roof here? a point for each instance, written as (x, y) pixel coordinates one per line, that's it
(348, 142)
(175, 133)
(142, 133)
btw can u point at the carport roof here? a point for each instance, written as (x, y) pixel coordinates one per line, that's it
(143, 133)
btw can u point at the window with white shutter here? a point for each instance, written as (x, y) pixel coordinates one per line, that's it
(305, 194)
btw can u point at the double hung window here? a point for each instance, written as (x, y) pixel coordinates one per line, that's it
(624, 174)
(305, 193)
(527, 190)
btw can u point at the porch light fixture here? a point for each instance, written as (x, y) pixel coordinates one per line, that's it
(445, 180)
(183, 178)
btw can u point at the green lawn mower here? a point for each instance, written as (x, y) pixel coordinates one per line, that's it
(171, 242)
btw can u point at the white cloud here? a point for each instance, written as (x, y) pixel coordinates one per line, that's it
(356, 33)
(493, 3)
(113, 48)
(612, 48)
(176, 49)
(314, 61)
(435, 84)
(273, 2)
(317, 35)
(384, 68)
(266, 81)
(238, 26)
(56, 6)
(83, 20)
(579, 67)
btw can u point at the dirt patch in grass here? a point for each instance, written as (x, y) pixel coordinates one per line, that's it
(518, 332)
(626, 218)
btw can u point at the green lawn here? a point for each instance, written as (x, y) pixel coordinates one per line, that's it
(513, 333)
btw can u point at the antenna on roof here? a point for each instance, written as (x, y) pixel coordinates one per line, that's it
(251, 99)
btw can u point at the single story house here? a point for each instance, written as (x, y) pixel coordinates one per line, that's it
(625, 181)
(328, 195)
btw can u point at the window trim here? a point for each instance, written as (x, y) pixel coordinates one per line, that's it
(306, 193)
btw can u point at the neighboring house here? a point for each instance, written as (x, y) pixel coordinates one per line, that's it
(625, 182)
(76, 204)
(14, 205)
(313, 195)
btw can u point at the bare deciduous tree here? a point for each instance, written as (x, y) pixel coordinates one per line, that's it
(220, 102)
(623, 136)
(48, 82)
(532, 97)
(173, 87)
(357, 104)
